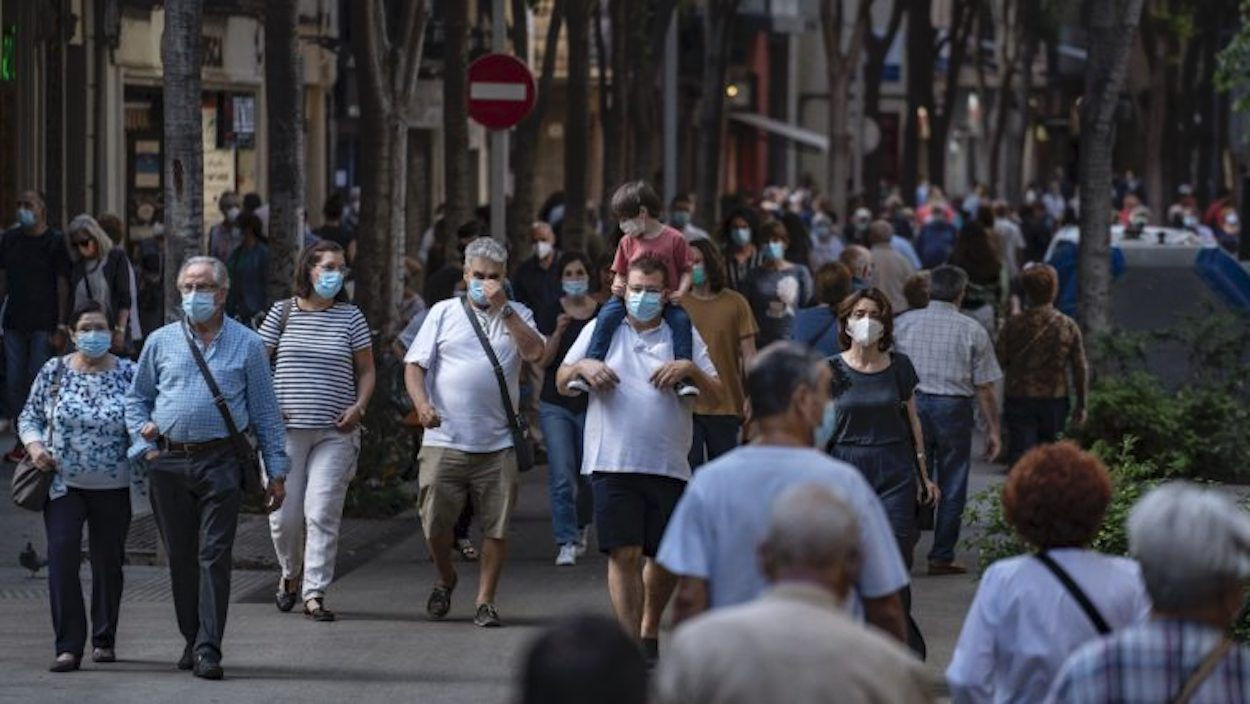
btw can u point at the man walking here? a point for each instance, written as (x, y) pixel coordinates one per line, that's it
(955, 361)
(196, 473)
(225, 236)
(637, 440)
(36, 266)
(467, 449)
(725, 510)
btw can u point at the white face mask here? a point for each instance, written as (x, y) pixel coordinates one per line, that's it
(633, 226)
(865, 331)
(543, 249)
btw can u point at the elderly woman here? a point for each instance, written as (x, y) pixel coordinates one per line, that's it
(74, 425)
(778, 287)
(1037, 349)
(1194, 549)
(102, 273)
(1031, 611)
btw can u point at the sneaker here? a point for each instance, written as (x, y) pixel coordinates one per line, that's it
(487, 616)
(583, 541)
(685, 388)
(579, 385)
(567, 556)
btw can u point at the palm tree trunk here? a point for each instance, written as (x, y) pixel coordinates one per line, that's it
(184, 142)
(284, 81)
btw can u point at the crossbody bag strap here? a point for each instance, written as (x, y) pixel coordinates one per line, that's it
(1066, 579)
(1050, 325)
(1195, 680)
(219, 400)
(494, 361)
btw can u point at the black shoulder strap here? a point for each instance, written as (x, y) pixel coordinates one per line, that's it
(1086, 605)
(494, 361)
(285, 316)
(218, 399)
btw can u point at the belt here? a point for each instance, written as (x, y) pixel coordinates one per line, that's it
(191, 448)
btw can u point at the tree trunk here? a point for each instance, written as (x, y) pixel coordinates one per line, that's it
(184, 142)
(612, 103)
(839, 68)
(284, 88)
(526, 136)
(577, 126)
(458, 210)
(876, 50)
(920, 75)
(647, 48)
(718, 23)
(391, 266)
(963, 16)
(1018, 126)
(1111, 25)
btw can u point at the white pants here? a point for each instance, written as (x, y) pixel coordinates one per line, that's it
(306, 529)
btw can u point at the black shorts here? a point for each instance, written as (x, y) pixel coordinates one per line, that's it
(632, 509)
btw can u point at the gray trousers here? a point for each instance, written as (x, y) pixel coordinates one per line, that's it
(195, 499)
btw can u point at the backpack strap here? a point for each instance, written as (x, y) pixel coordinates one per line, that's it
(1066, 579)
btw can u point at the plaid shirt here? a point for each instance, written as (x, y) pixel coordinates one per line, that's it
(951, 352)
(1150, 663)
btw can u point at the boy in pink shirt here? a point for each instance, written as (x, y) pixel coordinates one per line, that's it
(636, 206)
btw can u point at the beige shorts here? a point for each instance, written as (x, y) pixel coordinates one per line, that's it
(449, 477)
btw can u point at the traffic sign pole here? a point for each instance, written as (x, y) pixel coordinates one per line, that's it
(499, 140)
(501, 94)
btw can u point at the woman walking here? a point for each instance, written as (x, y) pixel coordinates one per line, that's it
(741, 256)
(778, 288)
(563, 418)
(102, 273)
(74, 425)
(323, 376)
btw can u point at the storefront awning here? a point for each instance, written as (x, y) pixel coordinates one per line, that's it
(791, 132)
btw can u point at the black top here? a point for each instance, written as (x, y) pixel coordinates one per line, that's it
(870, 405)
(33, 265)
(116, 271)
(537, 287)
(546, 321)
(340, 235)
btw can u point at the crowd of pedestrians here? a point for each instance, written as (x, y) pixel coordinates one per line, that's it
(760, 421)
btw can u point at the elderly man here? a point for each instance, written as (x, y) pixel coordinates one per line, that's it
(468, 447)
(796, 642)
(637, 440)
(955, 361)
(36, 277)
(196, 470)
(725, 509)
(859, 260)
(1194, 548)
(226, 235)
(537, 281)
(890, 269)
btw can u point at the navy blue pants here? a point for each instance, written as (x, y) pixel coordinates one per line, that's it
(612, 314)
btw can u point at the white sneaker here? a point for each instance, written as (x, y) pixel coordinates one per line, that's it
(685, 389)
(567, 556)
(578, 384)
(583, 540)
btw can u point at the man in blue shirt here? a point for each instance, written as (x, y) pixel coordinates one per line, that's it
(195, 475)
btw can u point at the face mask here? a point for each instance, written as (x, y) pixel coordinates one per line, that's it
(741, 235)
(861, 225)
(822, 435)
(644, 305)
(94, 343)
(865, 331)
(633, 226)
(1191, 221)
(776, 250)
(26, 217)
(543, 249)
(576, 287)
(232, 214)
(329, 283)
(477, 291)
(698, 275)
(680, 218)
(199, 306)
(1231, 221)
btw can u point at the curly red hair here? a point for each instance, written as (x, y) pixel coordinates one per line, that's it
(1057, 495)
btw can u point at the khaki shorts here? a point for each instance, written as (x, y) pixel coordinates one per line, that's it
(449, 477)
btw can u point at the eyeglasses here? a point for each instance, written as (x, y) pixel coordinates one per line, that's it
(198, 288)
(82, 244)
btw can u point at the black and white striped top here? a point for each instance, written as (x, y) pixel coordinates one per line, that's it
(315, 374)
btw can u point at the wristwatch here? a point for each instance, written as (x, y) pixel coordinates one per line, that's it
(507, 311)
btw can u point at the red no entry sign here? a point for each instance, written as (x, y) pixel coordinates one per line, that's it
(501, 91)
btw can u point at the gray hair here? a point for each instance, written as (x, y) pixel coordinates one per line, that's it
(1191, 543)
(777, 372)
(86, 223)
(947, 283)
(811, 527)
(221, 275)
(486, 248)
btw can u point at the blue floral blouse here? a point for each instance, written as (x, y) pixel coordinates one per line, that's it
(90, 439)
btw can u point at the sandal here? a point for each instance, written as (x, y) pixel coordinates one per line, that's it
(468, 553)
(440, 599)
(314, 607)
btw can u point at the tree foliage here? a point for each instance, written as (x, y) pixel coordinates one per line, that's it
(1233, 70)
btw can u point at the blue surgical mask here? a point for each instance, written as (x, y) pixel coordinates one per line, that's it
(477, 291)
(199, 306)
(644, 305)
(576, 287)
(329, 283)
(680, 218)
(698, 274)
(26, 217)
(776, 250)
(94, 343)
(822, 435)
(741, 235)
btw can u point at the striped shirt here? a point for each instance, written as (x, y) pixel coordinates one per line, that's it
(315, 373)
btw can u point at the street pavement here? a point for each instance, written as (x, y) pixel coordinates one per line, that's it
(381, 648)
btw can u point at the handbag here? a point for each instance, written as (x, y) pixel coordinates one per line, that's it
(31, 484)
(248, 459)
(518, 426)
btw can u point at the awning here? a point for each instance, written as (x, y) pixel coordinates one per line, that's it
(791, 132)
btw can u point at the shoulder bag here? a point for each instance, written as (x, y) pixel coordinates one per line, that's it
(249, 461)
(1091, 611)
(1194, 682)
(520, 430)
(31, 484)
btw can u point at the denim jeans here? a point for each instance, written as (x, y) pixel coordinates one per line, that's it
(572, 500)
(24, 355)
(613, 314)
(713, 437)
(1030, 422)
(947, 424)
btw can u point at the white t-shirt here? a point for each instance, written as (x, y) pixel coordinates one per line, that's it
(637, 427)
(460, 379)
